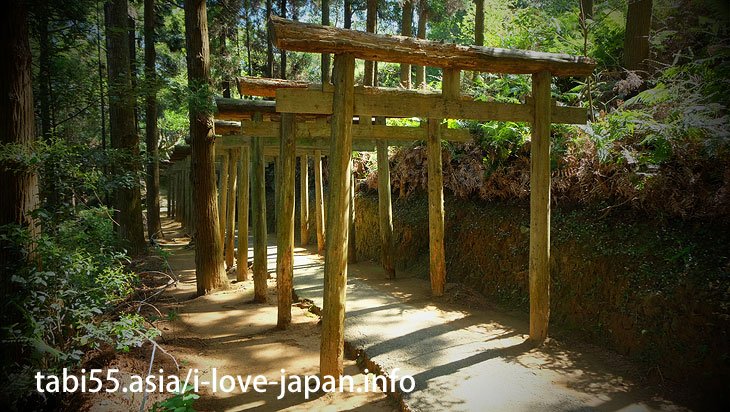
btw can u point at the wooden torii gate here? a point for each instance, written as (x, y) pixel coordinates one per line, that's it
(344, 101)
(311, 135)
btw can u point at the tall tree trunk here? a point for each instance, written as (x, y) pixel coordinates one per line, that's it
(348, 14)
(223, 21)
(248, 38)
(17, 124)
(44, 74)
(133, 67)
(478, 28)
(282, 68)
(326, 70)
(124, 135)
(636, 42)
(49, 192)
(269, 46)
(421, 34)
(102, 109)
(154, 226)
(370, 27)
(209, 270)
(406, 30)
(587, 8)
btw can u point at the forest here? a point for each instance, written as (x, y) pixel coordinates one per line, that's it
(448, 205)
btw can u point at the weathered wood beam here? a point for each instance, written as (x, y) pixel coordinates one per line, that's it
(303, 144)
(335, 263)
(415, 104)
(320, 130)
(265, 87)
(285, 220)
(304, 199)
(539, 261)
(436, 210)
(258, 211)
(351, 241)
(242, 107)
(385, 208)
(226, 127)
(314, 38)
(231, 208)
(223, 197)
(243, 197)
(318, 201)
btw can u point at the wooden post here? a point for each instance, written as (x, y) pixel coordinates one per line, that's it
(169, 192)
(335, 263)
(540, 208)
(450, 91)
(223, 208)
(351, 245)
(258, 210)
(318, 201)
(304, 199)
(243, 188)
(285, 219)
(385, 209)
(231, 217)
(436, 209)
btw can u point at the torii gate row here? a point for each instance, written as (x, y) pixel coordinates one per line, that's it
(344, 101)
(312, 134)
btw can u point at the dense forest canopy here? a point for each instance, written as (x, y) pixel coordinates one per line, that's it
(657, 143)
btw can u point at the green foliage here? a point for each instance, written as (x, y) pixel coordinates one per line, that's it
(181, 402)
(59, 306)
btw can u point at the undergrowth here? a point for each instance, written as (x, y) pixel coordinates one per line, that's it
(66, 302)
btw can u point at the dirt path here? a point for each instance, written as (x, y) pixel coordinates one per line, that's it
(227, 332)
(461, 359)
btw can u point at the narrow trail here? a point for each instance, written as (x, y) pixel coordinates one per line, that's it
(461, 359)
(225, 331)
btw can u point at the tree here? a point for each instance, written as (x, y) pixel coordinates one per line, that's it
(19, 181)
(282, 69)
(124, 137)
(586, 7)
(348, 14)
(421, 34)
(269, 46)
(154, 227)
(406, 30)
(636, 42)
(371, 26)
(209, 271)
(325, 57)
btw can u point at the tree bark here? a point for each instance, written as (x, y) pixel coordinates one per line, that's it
(123, 131)
(19, 182)
(209, 270)
(258, 213)
(586, 8)
(282, 68)
(335, 263)
(371, 27)
(298, 36)
(231, 216)
(269, 46)
(154, 226)
(285, 219)
(325, 57)
(539, 257)
(421, 34)
(406, 30)
(348, 14)
(638, 25)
